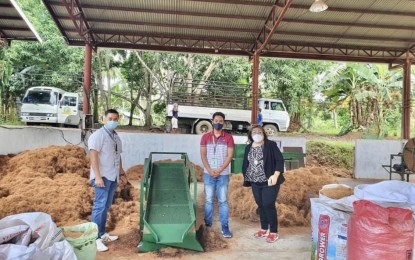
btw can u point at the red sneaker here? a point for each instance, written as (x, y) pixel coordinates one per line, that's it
(261, 233)
(272, 237)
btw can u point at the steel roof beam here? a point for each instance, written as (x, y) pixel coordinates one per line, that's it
(145, 46)
(345, 36)
(327, 48)
(356, 10)
(100, 20)
(113, 33)
(79, 20)
(362, 25)
(108, 34)
(8, 28)
(328, 57)
(280, 54)
(222, 46)
(236, 2)
(294, 47)
(158, 11)
(274, 19)
(4, 17)
(4, 5)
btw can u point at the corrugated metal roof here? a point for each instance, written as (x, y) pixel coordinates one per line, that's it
(233, 26)
(14, 24)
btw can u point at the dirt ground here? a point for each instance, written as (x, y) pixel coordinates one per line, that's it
(55, 180)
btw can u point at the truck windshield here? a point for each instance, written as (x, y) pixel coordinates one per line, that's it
(40, 97)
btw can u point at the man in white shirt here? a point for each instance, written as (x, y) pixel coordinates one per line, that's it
(106, 167)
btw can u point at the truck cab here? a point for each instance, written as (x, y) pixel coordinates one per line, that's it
(275, 117)
(50, 105)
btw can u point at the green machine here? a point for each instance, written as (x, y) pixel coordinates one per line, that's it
(167, 208)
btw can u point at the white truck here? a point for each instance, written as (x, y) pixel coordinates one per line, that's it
(50, 105)
(198, 103)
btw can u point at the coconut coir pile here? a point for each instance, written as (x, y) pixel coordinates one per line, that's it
(337, 192)
(55, 180)
(293, 202)
(136, 172)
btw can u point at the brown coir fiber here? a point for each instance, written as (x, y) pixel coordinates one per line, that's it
(211, 239)
(72, 234)
(51, 180)
(136, 172)
(54, 180)
(337, 192)
(293, 204)
(198, 172)
(4, 159)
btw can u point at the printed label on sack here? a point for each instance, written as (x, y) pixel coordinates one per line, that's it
(409, 254)
(323, 237)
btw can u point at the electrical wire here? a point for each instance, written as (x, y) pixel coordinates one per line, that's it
(85, 141)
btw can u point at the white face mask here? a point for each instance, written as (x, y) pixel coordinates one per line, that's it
(258, 138)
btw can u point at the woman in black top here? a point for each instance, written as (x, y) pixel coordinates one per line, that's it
(263, 169)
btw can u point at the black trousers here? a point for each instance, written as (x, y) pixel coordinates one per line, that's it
(265, 197)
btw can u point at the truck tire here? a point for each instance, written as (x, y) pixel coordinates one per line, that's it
(271, 130)
(203, 126)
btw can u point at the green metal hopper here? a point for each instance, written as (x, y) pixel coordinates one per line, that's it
(167, 209)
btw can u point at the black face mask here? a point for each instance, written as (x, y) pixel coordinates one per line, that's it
(218, 126)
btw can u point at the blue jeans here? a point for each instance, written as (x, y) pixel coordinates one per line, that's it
(102, 202)
(220, 185)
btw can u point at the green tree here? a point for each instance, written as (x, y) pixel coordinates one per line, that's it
(292, 81)
(30, 64)
(368, 90)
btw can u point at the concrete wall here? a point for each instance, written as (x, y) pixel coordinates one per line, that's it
(371, 154)
(136, 146)
(16, 139)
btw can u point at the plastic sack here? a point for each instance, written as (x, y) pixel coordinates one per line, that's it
(32, 236)
(58, 251)
(376, 232)
(387, 191)
(21, 229)
(84, 246)
(328, 231)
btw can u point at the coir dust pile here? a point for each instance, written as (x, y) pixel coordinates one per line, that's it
(293, 204)
(55, 180)
(136, 172)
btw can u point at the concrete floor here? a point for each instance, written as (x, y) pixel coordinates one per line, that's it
(294, 243)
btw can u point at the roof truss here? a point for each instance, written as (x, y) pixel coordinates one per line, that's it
(231, 27)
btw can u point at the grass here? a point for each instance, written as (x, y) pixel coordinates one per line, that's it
(6, 119)
(324, 127)
(332, 153)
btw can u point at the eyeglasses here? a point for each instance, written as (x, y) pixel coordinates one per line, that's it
(258, 133)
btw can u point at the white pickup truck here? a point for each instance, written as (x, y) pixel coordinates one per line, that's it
(197, 107)
(198, 119)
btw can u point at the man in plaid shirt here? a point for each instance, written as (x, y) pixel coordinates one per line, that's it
(216, 150)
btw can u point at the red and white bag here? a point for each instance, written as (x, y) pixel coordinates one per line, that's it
(375, 232)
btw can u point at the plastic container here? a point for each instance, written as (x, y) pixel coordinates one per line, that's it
(239, 151)
(85, 247)
(236, 165)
